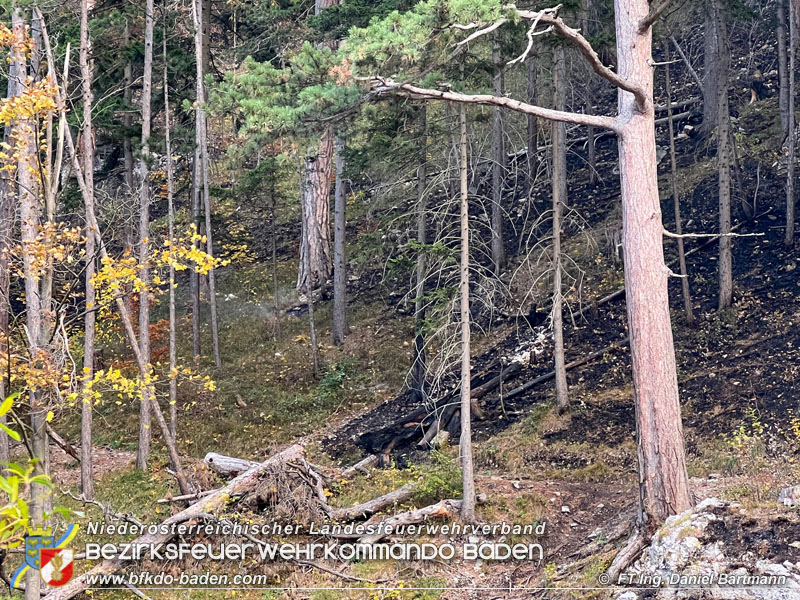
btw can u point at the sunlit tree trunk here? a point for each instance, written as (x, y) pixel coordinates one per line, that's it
(465, 443)
(312, 326)
(143, 450)
(87, 76)
(663, 482)
(559, 201)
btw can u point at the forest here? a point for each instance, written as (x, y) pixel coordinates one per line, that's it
(399, 299)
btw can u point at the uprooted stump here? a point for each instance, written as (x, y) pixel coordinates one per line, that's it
(719, 551)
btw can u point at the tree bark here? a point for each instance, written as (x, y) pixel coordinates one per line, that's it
(711, 75)
(173, 342)
(340, 328)
(419, 367)
(276, 324)
(145, 434)
(676, 202)
(783, 67)
(29, 218)
(591, 150)
(312, 327)
(465, 444)
(194, 276)
(201, 133)
(663, 482)
(791, 138)
(559, 200)
(87, 75)
(724, 161)
(499, 158)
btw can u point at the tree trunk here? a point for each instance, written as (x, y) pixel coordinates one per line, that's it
(533, 122)
(173, 343)
(340, 328)
(791, 139)
(663, 482)
(559, 200)
(201, 132)
(29, 218)
(194, 276)
(465, 443)
(419, 368)
(87, 75)
(276, 326)
(7, 202)
(676, 201)
(498, 163)
(143, 450)
(312, 327)
(711, 76)
(724, 162)
(783, 67)
(315, 258)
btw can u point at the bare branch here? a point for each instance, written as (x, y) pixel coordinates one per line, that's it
(385, 87)
(653, 16)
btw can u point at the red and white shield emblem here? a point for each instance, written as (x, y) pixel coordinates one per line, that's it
(56, 566)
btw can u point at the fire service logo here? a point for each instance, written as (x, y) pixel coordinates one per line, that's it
(49, 556)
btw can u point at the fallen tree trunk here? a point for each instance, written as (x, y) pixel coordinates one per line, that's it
(443, 508)
(361, 466)
(375, 505)
(228, 465)
(208, 505)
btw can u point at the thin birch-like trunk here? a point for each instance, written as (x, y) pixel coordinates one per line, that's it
(87, 76)
(145, 434)
(791, 138)
(418, 363)
(340, 328)
(559, 201)
(173, 345)
(465, 443)
(498, 163)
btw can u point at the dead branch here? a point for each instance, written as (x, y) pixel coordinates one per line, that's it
(68, 448)
(361, 466)
(227, 465)
(385, 87)
(184, 497)
(653, 16)
(107, 510)
(374, 505)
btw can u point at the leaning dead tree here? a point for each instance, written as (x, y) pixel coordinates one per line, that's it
(663, 481)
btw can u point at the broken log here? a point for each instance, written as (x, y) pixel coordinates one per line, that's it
(68, 448)
(361, 466)
(208, 505)
(375, 505)
(443, 508)
(228, 465)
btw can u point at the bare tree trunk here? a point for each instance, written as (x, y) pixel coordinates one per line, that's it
(309, 290)
(783, 67)
(201, 132)
(498, 163)
(711, 76)
(29, 218)
(87, 76)
(791, 139)
(173, 345)
(676, 202)
(315, 244)
(143, 450)
(419, 368)
(724, 162)
(559, 200)
(465, 443)
(663, 482)
(340, 328)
